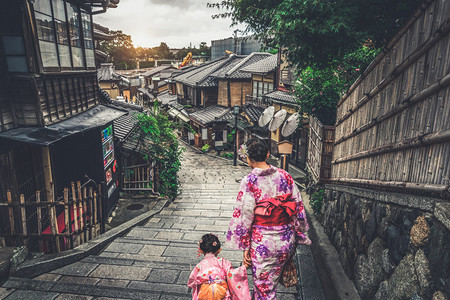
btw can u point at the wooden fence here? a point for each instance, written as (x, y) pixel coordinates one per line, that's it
(320, 148)
(54, 225)
(393, 125)
(139, 178)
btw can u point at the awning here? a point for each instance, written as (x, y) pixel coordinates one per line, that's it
(97, 116)
(175, 113)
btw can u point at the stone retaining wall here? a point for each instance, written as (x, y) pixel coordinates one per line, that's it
(393, 246)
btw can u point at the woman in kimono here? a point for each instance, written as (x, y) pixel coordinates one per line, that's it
(214, 278)
(268, 220)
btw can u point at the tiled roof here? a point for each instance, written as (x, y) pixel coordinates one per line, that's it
(234, 69)
(198, 76)
(146, 91)
(125, 124)
(281, 96)
(107, 73)
(155, 70)
(134, 142)
(253, 112)
(209, 114)
(263, 66)
(165, 97)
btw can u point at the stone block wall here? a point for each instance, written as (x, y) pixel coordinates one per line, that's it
(392, 246)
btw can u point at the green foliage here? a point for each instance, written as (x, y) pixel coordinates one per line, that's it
(146, 64)
(160, 144)
(230, 137)
(316, 32)
(316, 200)
(227, 155)
(318, 89)
(205, 148)
(202, 50)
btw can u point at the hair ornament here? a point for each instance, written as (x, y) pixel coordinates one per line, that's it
(243, 152)
(214, 244)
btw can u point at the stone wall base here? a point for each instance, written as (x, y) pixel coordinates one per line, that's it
(393, 246)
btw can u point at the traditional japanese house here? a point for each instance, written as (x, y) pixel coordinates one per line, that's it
(234, 83)
(110, 81)
(155, 78)
(53, 129)
(101, 33)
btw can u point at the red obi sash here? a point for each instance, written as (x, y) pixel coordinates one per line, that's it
(275, 211)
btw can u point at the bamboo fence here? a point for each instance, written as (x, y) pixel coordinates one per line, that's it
(320, 148)
(55, 225)
(393, 125)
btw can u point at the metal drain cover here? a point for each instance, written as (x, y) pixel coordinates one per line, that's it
(135, 206)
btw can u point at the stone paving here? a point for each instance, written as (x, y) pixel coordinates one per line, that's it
(153, 261)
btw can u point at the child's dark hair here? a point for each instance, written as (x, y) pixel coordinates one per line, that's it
(257, 149)
(209, 243)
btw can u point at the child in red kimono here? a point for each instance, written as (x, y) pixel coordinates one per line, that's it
(214, 278)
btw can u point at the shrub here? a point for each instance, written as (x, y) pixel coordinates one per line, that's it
(227, 155)
(205, 148)
(316, 200)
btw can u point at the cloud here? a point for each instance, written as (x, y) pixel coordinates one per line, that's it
(172, 3)
(176, 22)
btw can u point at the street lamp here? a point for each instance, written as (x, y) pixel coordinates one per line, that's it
(235, 113)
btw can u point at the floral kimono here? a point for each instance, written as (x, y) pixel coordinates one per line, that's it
(271, 241)
(219, 271)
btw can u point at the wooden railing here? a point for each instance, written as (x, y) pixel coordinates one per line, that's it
(54, 225)
(139, 178)
(320, 149)
(257, 101)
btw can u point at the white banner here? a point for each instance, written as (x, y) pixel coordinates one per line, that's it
(204, 133)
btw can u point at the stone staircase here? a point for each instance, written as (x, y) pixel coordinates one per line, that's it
(152, 261)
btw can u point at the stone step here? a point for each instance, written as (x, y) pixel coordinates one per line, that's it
(133, 290)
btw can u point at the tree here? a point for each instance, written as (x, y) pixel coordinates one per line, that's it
(330, 42)
(160, 145)
(121, 50)
(163, 51)
(316, 32)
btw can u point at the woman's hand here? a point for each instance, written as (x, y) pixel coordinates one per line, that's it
(247, 259)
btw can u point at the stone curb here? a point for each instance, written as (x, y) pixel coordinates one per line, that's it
(342, 285)
(50, 262)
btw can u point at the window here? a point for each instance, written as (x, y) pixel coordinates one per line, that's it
(65, 34)
(75, 35)
(62, 35)
(88, 41)
(46, 36)
(15, 55)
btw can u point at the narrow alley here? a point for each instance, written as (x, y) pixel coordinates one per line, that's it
(153, 261)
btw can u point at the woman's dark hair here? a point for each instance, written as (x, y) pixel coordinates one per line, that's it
(257, 149)
(209, 243)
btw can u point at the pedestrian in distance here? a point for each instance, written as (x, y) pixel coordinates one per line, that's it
(214, 278)
(268, 222)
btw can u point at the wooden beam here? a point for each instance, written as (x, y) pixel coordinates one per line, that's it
(47, 167)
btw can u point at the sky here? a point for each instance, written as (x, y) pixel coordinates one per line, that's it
(175, 22)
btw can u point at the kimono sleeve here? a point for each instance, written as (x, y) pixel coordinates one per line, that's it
(238, 235)
(194, 282)
(237, 282)
(300, 223)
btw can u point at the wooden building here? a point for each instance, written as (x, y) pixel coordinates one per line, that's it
(110, 81)
(53, 128)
